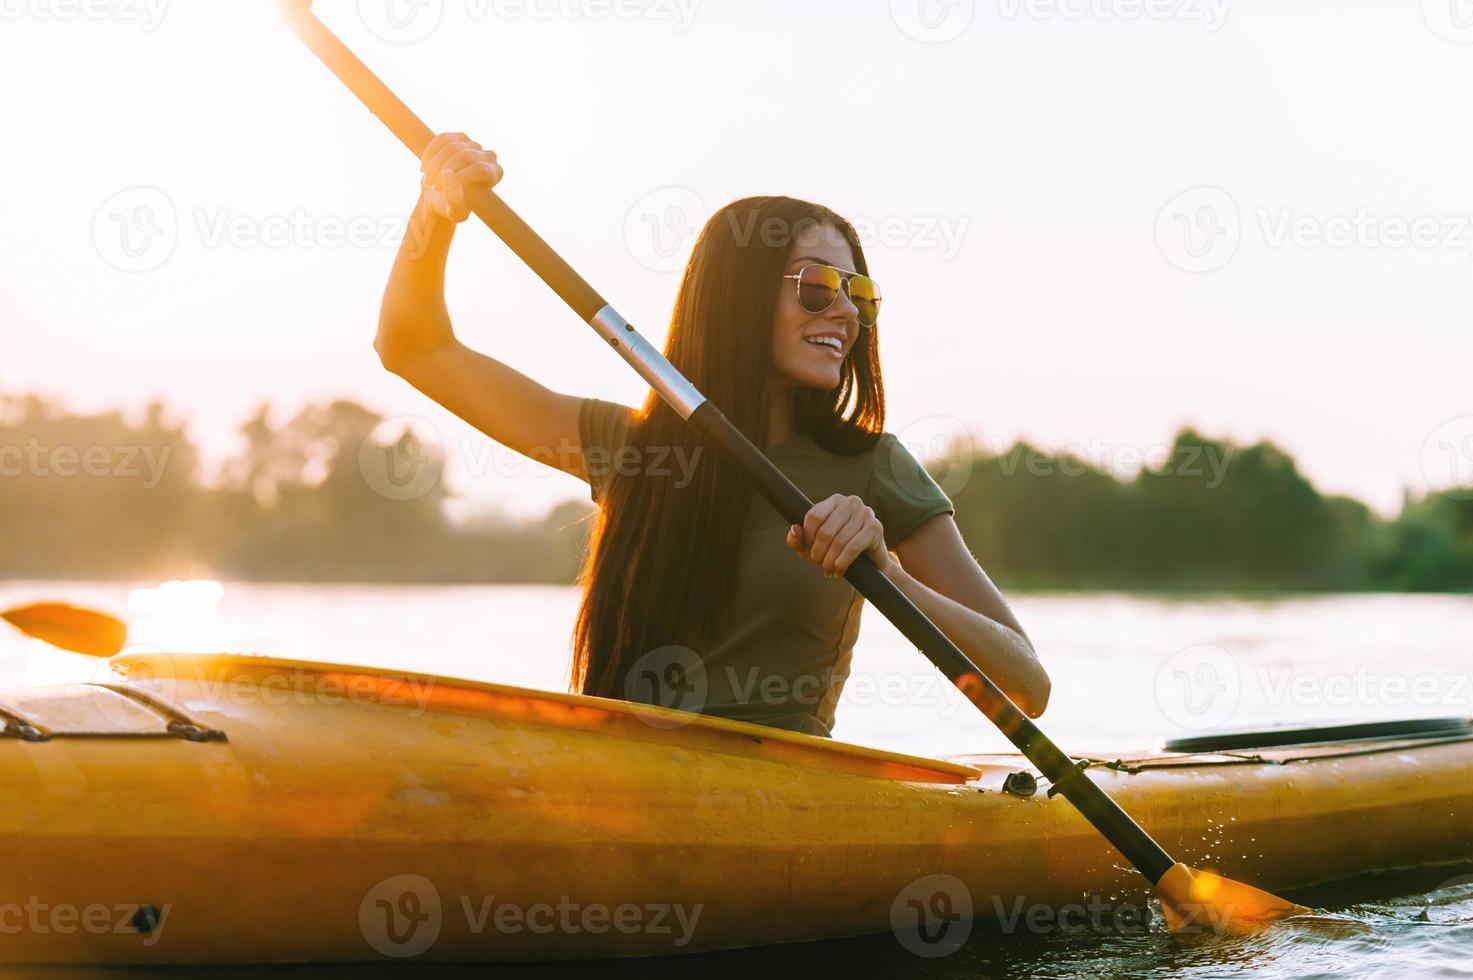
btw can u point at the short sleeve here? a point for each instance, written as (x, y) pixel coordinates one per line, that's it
(603, 431)
(902, 493)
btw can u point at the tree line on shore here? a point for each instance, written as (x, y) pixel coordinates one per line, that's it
(113, 497)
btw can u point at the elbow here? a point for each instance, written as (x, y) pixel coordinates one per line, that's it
(393, 352)
(405, 338)
(388, 353)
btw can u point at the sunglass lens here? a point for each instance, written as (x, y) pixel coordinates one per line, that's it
(866, 298)
(818, 287)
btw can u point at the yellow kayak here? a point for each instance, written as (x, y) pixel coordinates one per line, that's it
(236, 809)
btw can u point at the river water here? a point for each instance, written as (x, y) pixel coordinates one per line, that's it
(1128, 671)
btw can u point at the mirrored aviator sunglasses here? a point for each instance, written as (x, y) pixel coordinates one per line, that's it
(819, 285)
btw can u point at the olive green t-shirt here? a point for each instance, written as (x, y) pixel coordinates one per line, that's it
(782, 652)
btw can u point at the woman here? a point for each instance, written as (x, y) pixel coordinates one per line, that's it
(683, 605)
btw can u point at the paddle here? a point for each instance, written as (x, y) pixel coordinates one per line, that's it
(78, 630)
(1190, 899)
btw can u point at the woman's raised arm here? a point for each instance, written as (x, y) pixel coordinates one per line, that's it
(417, 342)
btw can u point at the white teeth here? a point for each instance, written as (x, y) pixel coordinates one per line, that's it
(832, 343)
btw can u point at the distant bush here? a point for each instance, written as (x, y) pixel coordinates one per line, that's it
(105, 496)
(1212, 515)
(292, 505)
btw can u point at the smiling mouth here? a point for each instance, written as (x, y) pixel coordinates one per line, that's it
(830, 344)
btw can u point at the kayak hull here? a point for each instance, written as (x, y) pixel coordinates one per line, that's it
(280, 821)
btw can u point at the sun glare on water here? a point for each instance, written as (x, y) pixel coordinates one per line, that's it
(171, 617)
(176, 616)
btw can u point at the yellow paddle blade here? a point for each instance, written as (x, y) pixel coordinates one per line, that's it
(78, 630)
(1201, 901)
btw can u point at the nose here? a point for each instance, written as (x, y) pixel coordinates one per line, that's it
(843, 311)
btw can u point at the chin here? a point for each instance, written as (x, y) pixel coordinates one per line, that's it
(822, 380)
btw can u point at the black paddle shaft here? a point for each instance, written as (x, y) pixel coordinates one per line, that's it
(1091, 801)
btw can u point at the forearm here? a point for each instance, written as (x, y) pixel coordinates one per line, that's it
(1004, 654)
(413, 318)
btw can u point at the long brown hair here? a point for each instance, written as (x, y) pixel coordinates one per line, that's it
(662, 556)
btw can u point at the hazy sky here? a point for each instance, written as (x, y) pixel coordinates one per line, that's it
(1094, 220)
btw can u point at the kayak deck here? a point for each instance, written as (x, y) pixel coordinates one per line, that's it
(578, 712)
(282, 811)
